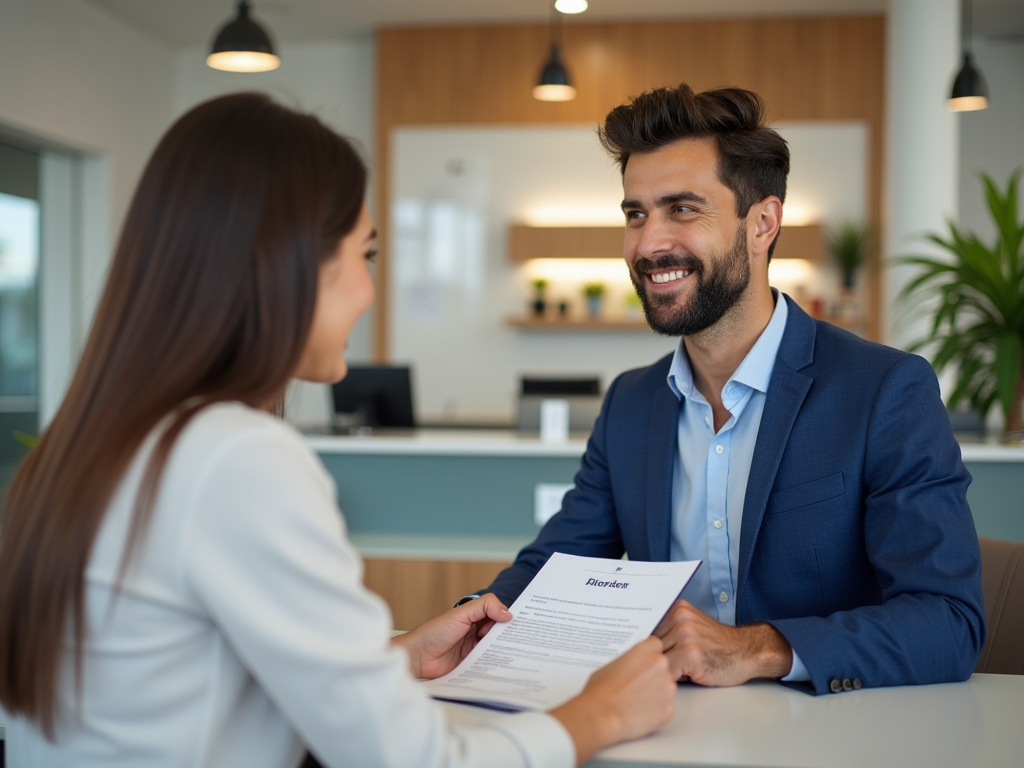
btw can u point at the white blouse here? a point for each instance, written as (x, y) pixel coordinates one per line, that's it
(243, 633)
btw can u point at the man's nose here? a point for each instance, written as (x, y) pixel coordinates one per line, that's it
(654, 237)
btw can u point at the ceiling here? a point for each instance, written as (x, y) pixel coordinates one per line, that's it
(193, 22)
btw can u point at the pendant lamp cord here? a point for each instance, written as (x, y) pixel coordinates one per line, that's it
(965, 24)
(556, 26)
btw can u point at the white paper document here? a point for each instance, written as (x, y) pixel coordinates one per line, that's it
(576, 615)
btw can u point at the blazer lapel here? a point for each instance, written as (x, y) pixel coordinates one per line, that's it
(661, 454)
(787, 389)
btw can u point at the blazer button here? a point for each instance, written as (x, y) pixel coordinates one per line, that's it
(836, 686)
(847, 685)
(856, 683)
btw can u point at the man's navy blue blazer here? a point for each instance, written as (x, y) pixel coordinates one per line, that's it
(857, 542)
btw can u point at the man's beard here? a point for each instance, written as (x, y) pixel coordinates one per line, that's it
(727, 277)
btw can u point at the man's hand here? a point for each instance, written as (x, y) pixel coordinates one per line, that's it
(709, 653)
(436, 647)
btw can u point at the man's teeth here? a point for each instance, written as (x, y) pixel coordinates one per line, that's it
(667, 277)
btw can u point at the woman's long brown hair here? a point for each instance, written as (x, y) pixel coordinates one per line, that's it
(209, 299)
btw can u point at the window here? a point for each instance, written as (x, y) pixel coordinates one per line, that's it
(19, 303)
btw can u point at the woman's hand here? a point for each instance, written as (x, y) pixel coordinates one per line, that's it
(436, 647)
(629, 698)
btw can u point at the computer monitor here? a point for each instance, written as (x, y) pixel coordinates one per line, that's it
(375, 396)
(582, 393)
(559, 386)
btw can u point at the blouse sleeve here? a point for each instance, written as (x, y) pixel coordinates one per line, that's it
(269, 560)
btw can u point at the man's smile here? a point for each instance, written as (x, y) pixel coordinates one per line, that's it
(670, 276)
(667, 272)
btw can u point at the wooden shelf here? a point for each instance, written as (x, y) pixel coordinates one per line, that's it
(801, 242)
(526, 242)
(577, 324)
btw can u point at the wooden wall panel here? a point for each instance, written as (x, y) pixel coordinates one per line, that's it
(418, 590)
(805, 69)
(526, 242)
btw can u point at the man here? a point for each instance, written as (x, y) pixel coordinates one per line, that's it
(813, 473)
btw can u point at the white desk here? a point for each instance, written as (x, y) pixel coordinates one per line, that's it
(977, 724)
(453, 442)
(448, 442)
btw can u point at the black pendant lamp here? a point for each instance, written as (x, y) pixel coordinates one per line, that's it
(242, 45)
(969, 90)
(553, 83)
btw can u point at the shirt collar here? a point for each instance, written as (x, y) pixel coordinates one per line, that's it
(754, 371)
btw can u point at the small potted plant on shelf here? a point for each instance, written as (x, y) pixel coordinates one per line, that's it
(974, 296)
(593, 292)
(539, 304)
(849, 244)
(634, 307)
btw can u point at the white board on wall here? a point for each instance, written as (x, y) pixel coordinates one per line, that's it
(455, 191)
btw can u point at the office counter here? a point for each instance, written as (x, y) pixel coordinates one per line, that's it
(459, 485)
(996, 494)
(445, 442)
(976, 723)
(456, 484)
(437, 513)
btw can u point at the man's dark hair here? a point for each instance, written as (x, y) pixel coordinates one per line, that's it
(753, 158)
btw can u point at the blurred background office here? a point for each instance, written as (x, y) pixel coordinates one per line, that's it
(500, 230)
(440, 97)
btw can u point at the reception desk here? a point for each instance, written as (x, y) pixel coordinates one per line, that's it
(976, 724)
(460, 485)
(437, 513)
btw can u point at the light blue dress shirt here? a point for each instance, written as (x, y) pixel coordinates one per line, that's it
(709, 480)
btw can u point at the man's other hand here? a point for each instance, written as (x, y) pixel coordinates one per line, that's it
(703, 651)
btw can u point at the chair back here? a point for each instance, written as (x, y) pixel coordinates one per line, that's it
(1002, 583)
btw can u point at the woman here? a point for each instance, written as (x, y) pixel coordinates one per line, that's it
(176, 587)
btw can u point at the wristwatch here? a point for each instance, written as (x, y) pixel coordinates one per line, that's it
(464, 600)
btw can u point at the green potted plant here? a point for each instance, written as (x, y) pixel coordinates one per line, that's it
(539, 287)
(29, 441)
(593, 292)
(975, 297)
(634, 307)
(849, 244)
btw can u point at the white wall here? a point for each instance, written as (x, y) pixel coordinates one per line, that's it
(921, 184)
(78, 78)
(336, 81)
(83, 80)
(333, 79)
(992, 140)
(455, 191)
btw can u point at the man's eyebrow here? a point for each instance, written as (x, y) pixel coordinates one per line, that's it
(681, 197)
(672, 199)
(371, 236)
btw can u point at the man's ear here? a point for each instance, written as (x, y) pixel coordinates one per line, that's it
(765, 218)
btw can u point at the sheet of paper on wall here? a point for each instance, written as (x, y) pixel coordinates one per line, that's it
(576, 615)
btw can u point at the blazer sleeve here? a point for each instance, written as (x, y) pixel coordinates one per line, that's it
(922, 545)
(586, 524)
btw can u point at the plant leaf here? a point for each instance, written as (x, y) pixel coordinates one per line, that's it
(1009, 349)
